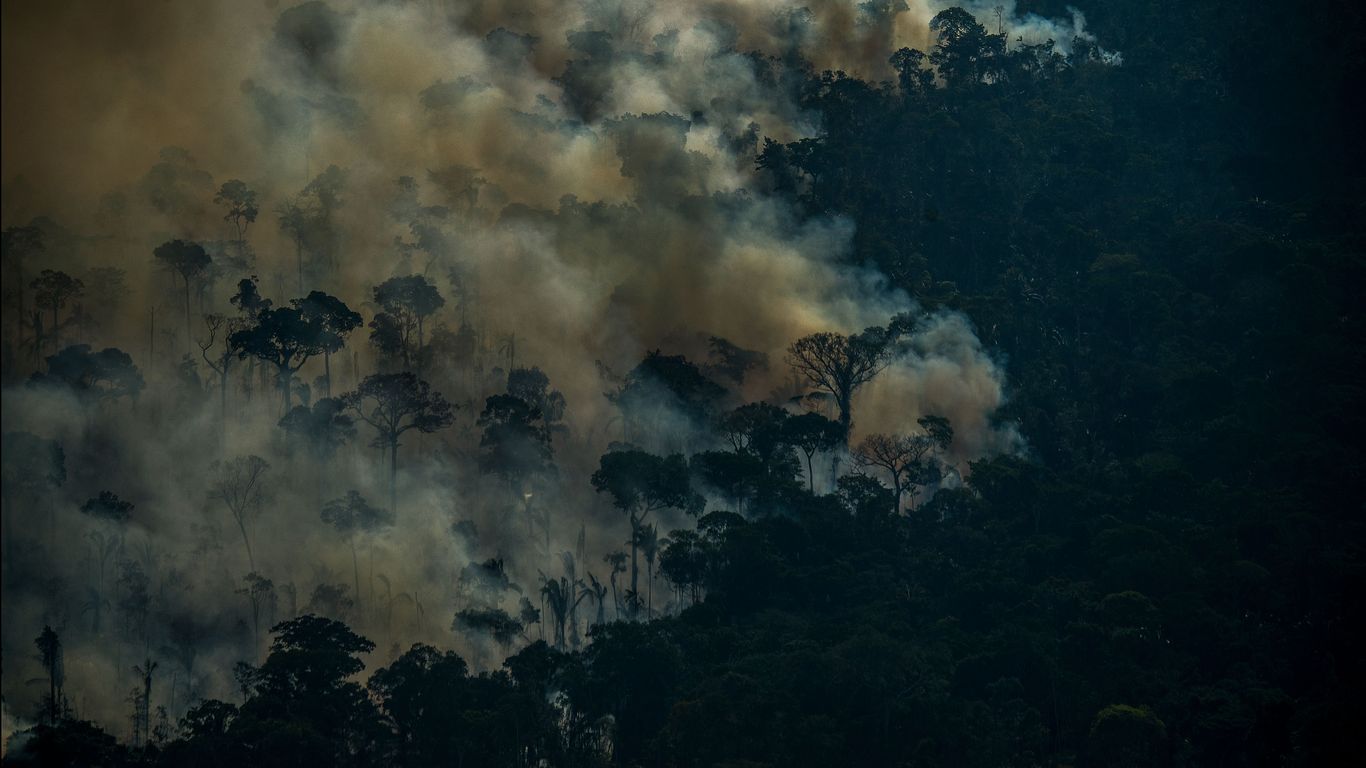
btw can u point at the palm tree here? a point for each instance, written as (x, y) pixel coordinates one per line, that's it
(597, 591)
(555, 596)
(618, 562)
(141, 715)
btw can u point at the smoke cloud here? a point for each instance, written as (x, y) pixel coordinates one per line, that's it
(579, 183)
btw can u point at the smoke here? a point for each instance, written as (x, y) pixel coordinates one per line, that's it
(581, 190)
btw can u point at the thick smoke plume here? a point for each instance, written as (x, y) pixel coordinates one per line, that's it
(577, 179)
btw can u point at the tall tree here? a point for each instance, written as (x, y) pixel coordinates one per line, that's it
(241, 486)
(50, 654)
(18, 245)
(839, 365)
(908, 459)
(220, 329)
(321, 429)
(52, 290)
(240, 202)
(187, 260)
(332, 321)
(640, 483)
(515, 444)
(284, 338)
(394, 403)
(405, 303)
(812, 433)
(352, 516)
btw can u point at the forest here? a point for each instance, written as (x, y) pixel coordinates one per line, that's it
(712, 383)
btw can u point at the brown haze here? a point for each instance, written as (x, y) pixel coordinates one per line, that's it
(619, 218)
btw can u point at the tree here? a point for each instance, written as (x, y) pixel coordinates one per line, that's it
(532, 386)
(663, 390)
(494, 622)
(108, 506)
(900, 456)
(303, 689)
(812, 433)
(50, 654)
(616, 562)
(640, 483)
(765, 466)
(17, 246)
(240, 201)
(260, 594)
(241, 486)
(394, 403)
(422, 695)
(221, 362)
(142, 721)
(295, 221)
(515, 444)
(33, 466)
(351, 516)
(684, 561)
(647, 539)
(187, 260)
(908, 460)
(321, 429)
(964, 53)
(839, 365)
(94, 376)
(1126, 737)
(332, 321)
(283, 337)
(51, 291)
(405, 302)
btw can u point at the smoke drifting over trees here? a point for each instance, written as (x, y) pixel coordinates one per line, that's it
(356, 351)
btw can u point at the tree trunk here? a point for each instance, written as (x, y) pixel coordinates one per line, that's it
(223, 403)
(393, 475)
(846, 415)
(327, 370)
(355, 572)
(810, 477)
(635, 570)
(285, 377)
(241, 526)
(188, 333)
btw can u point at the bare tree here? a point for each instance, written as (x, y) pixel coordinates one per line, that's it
(241, 486)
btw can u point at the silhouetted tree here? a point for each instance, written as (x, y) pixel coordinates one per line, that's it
(241, 486)
(261, 596)
(304, 689)
(95, 376)
(50, 654)
(640, 483)
(189, 262)
(393, 404)
(812, 433)
(405, 302)
(351, 516)
(240, 202)
(515, 444)
(52, 290)
(332, 321)
(839, 365)
(18, 245)
(283, 337)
